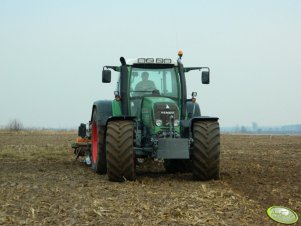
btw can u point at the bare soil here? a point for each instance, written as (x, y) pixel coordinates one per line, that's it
(42, 184)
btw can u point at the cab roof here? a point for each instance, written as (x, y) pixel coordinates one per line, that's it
(144, 61)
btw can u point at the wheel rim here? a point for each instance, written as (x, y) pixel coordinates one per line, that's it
(94, 142)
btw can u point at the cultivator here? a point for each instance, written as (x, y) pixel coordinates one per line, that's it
(82, 146)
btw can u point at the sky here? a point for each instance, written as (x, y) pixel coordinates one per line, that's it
(52, 53)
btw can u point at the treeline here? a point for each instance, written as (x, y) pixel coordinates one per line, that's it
(255, 129)
(16, 125)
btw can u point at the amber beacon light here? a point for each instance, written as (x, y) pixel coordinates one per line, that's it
(180, 53)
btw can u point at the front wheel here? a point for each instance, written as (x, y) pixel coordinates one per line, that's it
(206, 150)
(120, 151)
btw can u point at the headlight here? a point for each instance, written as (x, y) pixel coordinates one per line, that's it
(141, 60)
(158, 122)
(176, 122)
(150, 60)
(167, 61)
(159, 60)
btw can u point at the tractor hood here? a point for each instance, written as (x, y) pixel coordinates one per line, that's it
(157, 112)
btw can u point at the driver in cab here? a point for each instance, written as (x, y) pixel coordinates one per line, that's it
(145, 84)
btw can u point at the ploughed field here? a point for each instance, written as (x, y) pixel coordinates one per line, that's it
(42, 184)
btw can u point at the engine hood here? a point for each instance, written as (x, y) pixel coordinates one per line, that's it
(159, 108)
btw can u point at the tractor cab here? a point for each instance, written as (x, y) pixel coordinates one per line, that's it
(154, 93)
(153, 90)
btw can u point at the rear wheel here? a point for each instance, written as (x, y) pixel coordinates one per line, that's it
(120, 151)
(98, 154)
(206, 150)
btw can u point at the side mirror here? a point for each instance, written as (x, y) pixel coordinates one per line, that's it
(205, 77)
(106, 76)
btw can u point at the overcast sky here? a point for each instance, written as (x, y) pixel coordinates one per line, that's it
(52, 54)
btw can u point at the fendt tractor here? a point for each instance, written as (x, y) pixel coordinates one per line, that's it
(150, 117)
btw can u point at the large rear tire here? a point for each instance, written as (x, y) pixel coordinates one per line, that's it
(120, 151)
(98, 153)
(206, 150)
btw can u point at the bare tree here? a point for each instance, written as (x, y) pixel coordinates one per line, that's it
(254, 126)
(15, 125)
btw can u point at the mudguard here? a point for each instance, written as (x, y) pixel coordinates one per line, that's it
(120, 118)
(104, 111)
(192, 110)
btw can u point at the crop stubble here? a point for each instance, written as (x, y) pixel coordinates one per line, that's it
(42, 184)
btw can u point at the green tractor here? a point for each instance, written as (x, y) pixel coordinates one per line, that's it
(151, 117)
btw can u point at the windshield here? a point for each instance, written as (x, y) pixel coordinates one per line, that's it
(162, 82)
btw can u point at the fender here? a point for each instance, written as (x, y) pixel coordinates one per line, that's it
(120, 118)
(104, 111)
(192, 109)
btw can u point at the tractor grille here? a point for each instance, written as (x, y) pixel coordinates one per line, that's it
(163, 111)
